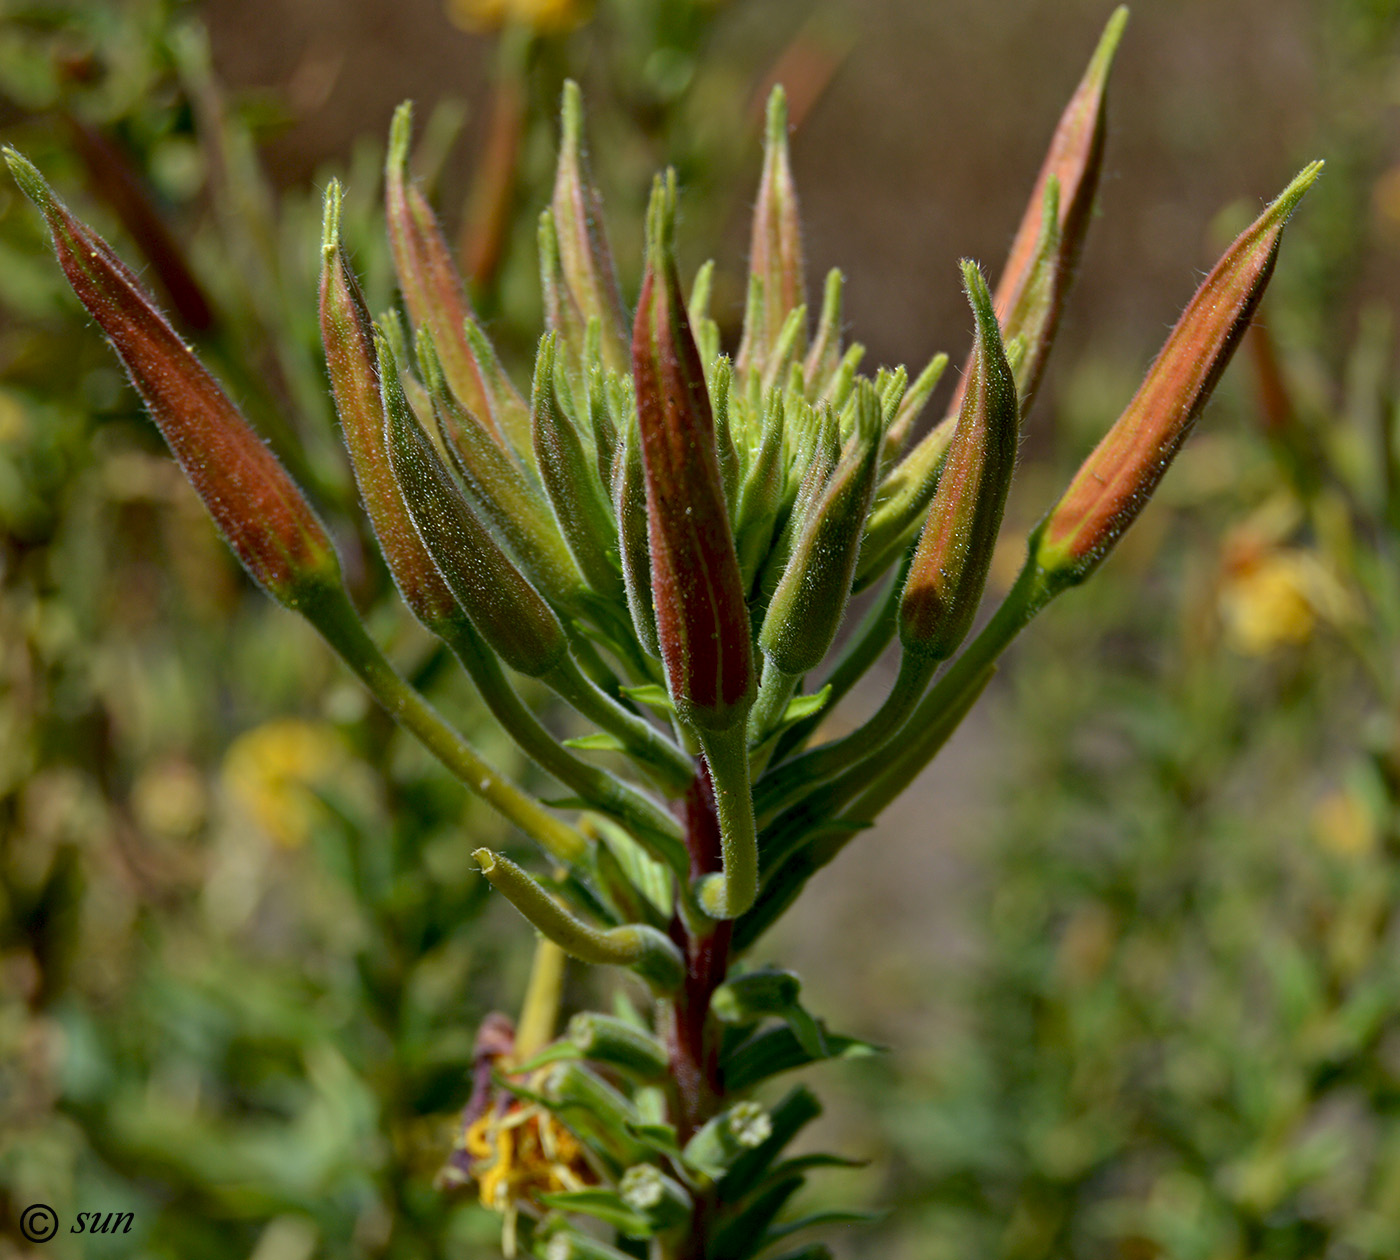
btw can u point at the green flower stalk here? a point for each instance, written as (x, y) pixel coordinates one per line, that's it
(669, 540)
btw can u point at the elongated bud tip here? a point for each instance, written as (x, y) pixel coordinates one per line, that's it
(28, 178)
(1287, 201)
(571, 116)
(975, 286)
(485, 859)
(400, 137)
(330, 219)
(1102, 61)
(775, 127)
(661, 217)
(544, 365)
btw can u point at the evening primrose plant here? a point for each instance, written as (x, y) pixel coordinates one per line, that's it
(668, 539)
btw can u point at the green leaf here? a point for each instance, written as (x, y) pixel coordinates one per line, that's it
(814, 1220)
(802, 707)
(603, 1205)
(744, 1234)
(777, 1050)
(651, 694)
(597, 741)
(798, 1108)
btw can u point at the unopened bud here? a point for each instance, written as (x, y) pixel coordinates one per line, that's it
(606, 1039)
(1118, 478)
(715, 1146)
(436, 296)
(950, 566)
(257, 506)
(702, 620)
(505, 608)
(651, 1193)
(586, 265)
(347, 332)
(777, 276)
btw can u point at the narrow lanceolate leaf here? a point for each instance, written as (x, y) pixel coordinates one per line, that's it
(347, 332)
(436, 297)
(702, 621)
(570, 476)
(505, 608)
(630, 494)
(1120, 475)
(584, 257)
(806, 609)
(777, 277)
(256, 505)
(950, 566)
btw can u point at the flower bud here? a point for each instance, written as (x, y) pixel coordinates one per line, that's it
(570, 475)
(590, 281)
(606, 1039)
(702, 620)
(257, 506)
(744, 1127)
(631, 496)
(1120, 475)
(806, 609)
(436, 296)
(651, 1193)
(950, 566)
(347, 332)
(505, 608)
(634, 945)
(777, 285)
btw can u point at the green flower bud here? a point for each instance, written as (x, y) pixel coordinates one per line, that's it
(258, 508)
(722, 1140)
(756, 994)
(643, 949)
(505, 608)
(619, 1044)
(651, 1193)
(950, 566)
(1118, 478)
(777, 275)
(635, 552)
(570, 476)
(810, 602)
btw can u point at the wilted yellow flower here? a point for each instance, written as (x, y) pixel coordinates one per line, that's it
(270, 770)
(541, 15)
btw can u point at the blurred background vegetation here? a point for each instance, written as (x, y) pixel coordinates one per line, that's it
(1133, 941)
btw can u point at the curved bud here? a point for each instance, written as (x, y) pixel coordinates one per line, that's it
(584, 257)
(649, 1192)
(950, 566)
(778, 284)
(258, 508)
(635, 945)
(505, 608)
(436, 296)
(1120, 475)
(347, 333)
(721, 1140)
(606, 1039)
(702, 620)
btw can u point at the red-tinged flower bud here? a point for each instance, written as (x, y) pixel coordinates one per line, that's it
(256, 505)
(347, 332)
(584, 257)
(701, 618)
(1044, 254)
(507, 611)
(950, 566)
(778, 284)
(436, 297)
(1120, 475)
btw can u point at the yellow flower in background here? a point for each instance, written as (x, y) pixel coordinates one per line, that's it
(1270, 595)
(545, 16)
(270, 770)
(1343, 825)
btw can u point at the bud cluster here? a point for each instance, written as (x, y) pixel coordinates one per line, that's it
(670, 540)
